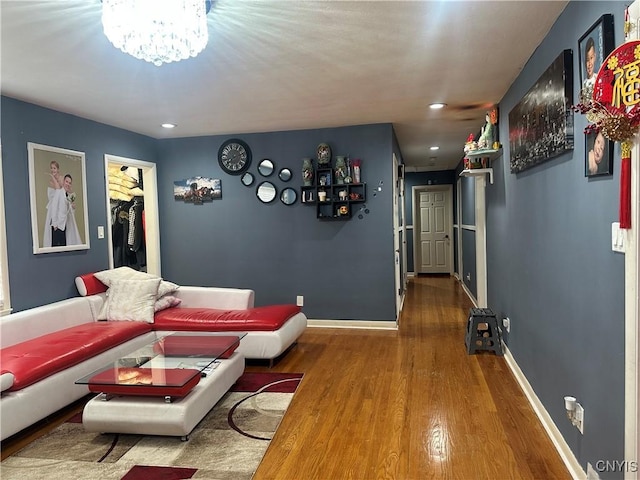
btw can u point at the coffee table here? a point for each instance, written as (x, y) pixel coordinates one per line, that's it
(165, 387)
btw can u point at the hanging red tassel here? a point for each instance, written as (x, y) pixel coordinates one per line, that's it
(625, 186)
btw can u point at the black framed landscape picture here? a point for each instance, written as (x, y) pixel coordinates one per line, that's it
(541, 123)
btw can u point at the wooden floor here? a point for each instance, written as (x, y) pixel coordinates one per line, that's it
(407, 404)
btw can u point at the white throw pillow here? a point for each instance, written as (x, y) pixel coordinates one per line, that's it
(166, 302)
(132, 300)
(127, 273)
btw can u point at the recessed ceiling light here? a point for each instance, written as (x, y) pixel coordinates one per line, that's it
(168, 125)
(437, 106)
(434, 148)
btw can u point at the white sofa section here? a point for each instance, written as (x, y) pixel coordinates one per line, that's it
(22, 408)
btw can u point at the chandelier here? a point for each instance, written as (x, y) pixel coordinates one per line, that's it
(157, 31)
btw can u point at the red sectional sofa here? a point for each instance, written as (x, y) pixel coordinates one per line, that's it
(44, 350)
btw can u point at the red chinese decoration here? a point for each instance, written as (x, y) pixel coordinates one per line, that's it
(615, 111)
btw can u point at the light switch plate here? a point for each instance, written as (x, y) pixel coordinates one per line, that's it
(100, 231)
(617, 238)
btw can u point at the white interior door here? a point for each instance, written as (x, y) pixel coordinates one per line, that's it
(434, 248)
(152, 226)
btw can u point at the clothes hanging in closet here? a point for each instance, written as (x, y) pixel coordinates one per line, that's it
(128, 233)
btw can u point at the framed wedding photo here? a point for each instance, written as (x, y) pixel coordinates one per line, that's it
(599, 156)
(58, 195)
(593, 48)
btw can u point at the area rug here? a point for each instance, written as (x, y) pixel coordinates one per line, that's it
(228, 444)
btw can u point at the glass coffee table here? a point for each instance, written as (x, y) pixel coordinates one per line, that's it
(165, 387)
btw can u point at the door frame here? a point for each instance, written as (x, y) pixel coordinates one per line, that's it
(632, 299)
(399, 231)
(457, 225)
(152, 224)
(415, 208)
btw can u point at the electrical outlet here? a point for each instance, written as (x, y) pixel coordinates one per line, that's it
(579, 418)
(506, 323)
(100, 231)
(300, 301)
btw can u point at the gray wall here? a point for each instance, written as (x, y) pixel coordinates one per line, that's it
(344, 269)
(47, 277)
(551, 268)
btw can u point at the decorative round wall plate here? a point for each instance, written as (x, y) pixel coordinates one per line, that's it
(234, 156)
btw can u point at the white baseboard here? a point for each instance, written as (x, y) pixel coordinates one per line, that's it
(468, 292)
(366, 324)
(569, 459)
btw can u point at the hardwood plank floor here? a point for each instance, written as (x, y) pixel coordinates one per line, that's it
(407, 404)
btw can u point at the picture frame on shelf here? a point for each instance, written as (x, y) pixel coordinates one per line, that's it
(324, 179)
(594, 46)
(58, 197)
(598, 155)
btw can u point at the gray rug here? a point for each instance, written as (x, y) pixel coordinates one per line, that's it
(228, 444)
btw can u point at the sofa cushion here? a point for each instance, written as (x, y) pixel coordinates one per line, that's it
(166, 302)
(131, 300)
(268, 318)
(88, 284)
(40, 357)
(108, 277)
(6, 380)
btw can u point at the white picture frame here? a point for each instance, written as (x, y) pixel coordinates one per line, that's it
(58, 196)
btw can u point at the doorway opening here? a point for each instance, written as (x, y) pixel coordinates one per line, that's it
(132, 214)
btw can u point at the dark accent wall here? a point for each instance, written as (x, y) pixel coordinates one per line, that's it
(47, 277)
(344, 269)
(414, 179)
(551, 268)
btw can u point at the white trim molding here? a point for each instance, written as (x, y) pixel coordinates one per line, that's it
(569, 459)
(632, 298)
(5, 308)
(363, 324)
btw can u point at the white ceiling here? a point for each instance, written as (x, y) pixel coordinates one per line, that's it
(284, 65)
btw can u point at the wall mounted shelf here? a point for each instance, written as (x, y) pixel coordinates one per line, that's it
(491, 154)
(475, 155)
(333, 207)
(474, 172)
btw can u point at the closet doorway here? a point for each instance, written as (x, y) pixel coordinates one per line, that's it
(132, 191)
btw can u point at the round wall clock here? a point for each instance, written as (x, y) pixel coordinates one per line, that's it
(234, 156)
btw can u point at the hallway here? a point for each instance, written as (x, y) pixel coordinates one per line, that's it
(407, 404)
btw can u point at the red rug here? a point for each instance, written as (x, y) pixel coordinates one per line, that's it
(252, 382)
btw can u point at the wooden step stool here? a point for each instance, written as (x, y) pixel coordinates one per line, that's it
(483, 332)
